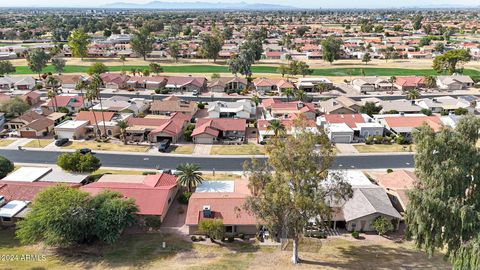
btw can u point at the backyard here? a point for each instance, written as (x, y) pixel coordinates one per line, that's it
(145, 251)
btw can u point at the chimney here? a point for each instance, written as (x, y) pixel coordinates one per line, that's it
(207, 213)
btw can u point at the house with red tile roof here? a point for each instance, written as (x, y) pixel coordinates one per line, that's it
(214, 130)
(397, 184)
(114, 80)
(410, 82)
(404, 125)
(32, 97)
(153, 194)
(267, 85)
(157, 128)
(225, 204)
(282, 110)
(186, 84)
(71, 102)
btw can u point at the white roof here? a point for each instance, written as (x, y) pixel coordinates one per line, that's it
(355, 178)
(27, 174)
(216, 186)
(12, 208)
(72, 124)
(58, 175)
(339, 127)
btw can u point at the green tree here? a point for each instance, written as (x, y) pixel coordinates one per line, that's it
(155, 68)
(288, 189)
(15, 106)
(6, 167)
(427, 112)
(430, 82)
(417, 22)
(211, 45)
(6, 67)
(370, 108)
(289, 92)
(413, 94)
(78, 42)
(142, 43)
(449, 60)
(58, 64)
(282, 69)
(77, 162)
(331, 48)
(174, 49)
(37, 60)
(93, 93)
(255, 99)
(123, 125)
(460, 111)
(366, 58)
(276, 127)
(212, 228)
(444, 203)
(189, 176)
(97, 68)
(53, 91)
(382, 225)
(64, 216)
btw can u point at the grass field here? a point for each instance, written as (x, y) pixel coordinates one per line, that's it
(144, 251)
(183, 149)
(6, 142)
(107, 146)
(376, 148)
(336, 71)
(244, 149)
(38, 143)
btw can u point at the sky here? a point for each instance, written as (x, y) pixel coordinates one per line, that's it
(296, 3)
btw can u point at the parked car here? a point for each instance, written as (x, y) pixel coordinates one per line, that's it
(195, 92)
(85, 151)
(163, 145)
(61, 142)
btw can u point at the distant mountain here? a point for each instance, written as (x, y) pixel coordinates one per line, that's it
(198, 5)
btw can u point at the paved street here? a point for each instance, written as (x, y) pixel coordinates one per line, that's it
(370, 161)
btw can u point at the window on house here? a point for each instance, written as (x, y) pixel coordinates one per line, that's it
(6, 219)
(229, 229)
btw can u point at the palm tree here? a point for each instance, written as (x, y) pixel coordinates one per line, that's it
(91, 96)
(430, 82)
(321, 87)
(95, 85)
(255, 99)
(79, 86)
(123, 130)
(300, 95)
(123, 59)
(189, 176)
(413, 94)
(289, 93)
(52, 82)
(276, 127)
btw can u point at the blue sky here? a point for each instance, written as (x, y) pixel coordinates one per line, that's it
(297, 3)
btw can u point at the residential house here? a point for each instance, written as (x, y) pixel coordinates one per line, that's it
(339, 105)
(405, 124)
(314, 84)
(240, 109)
(69, 81)
(410, 82)
(213, 130)
(346, 128)
(454, 82)
(397, 184)
(186, 84)
(31, 98)
(274, 108)
(123, 104)
(73, 103)
(72, 129)
(142, 82)
(444, 104)
(173, 104)
(114, 80)
(264, 132)
(155, 129)
(22, 120)
(266, 85)
(221, 200)
(372, 84)
(153, 194)
(37, 128)
(400, 106)
(227, 84)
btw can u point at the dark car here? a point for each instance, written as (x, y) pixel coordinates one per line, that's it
(61, 142)
(163, 145)
(85, 151)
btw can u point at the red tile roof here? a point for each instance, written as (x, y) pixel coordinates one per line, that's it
(400, 179)
(88, 116)
(410, 81)
(172, 126)
(350, 119)
(414, 121)
(63, 101)
(151, 196)
(213, 126)
(24, 191)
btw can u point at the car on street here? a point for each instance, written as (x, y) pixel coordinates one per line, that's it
(85, 151)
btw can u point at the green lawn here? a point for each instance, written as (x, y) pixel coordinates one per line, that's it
(378, 148)
(183, 149)
(259, 69)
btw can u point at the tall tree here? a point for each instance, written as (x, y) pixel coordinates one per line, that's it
(58, 65)
(94, 93)
(370, 108)
(174, 49)
(445, 202)
(366, 58)
(6, 166)
(6, 67)
(189, 176)
(97, 68)
(37, 60)
(212, 45)
(155, 68)
(78, 42)
(123, 125)
(276, 127)
(449, 60)
(331, 48)
(142, 43)
(289, 189)
(52, 93)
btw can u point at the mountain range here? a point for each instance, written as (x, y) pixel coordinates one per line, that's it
(198, 5)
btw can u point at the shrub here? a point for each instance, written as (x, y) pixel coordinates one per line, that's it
(77, 162)
(400, 140)
(200, 105)
(355, 234)
(212, 228)
(148, 173)
(6, 166)
(230, 239)
(382, 225)
(184, 197)
(153, 222)
(194, 238)
(369, 140)
(241, 236)
(389, 170)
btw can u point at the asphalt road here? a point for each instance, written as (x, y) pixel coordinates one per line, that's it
(206, 163)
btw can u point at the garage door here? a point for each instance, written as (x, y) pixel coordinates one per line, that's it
(161, 138)
(27, 134)
(341, 138)
(204, 140)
